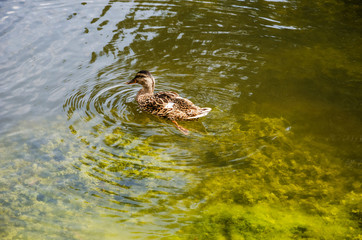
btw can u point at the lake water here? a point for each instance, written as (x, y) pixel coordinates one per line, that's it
(278, 157)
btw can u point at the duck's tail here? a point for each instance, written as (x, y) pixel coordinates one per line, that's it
(203, 113)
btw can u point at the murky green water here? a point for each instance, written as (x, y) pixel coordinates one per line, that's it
(279, 157)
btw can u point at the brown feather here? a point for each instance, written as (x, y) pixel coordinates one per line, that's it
(165, 104)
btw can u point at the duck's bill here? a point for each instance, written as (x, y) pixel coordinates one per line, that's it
(131, 82)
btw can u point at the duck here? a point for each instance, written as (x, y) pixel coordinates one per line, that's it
(168, 104)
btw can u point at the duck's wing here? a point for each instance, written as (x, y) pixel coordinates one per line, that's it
(166, 95)
(192, 111)
(172, 106)
(160, 103)
(184, 104)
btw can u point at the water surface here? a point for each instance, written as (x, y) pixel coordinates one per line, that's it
(279, 157)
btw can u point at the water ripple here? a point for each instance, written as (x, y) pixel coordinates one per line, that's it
(126, 159)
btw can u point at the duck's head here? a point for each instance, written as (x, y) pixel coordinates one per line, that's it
(144, 78)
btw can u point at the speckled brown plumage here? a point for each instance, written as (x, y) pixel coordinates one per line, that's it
(165, 104)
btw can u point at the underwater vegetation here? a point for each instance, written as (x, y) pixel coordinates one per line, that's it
(279, 188)
(258, 181)
(69, 185)
(35, 174)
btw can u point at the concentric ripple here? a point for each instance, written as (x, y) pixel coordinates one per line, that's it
(104, 99)
(131, 172)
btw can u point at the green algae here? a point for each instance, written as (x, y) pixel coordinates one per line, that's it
(274, 186)
(61, 183)
(282, 189)
(263, 221)
(34, 165)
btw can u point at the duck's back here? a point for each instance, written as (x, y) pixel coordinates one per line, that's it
(166, 95)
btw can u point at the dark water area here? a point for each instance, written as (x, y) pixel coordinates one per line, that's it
(278, 157)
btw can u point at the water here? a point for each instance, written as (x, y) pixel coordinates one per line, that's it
(279, 156)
